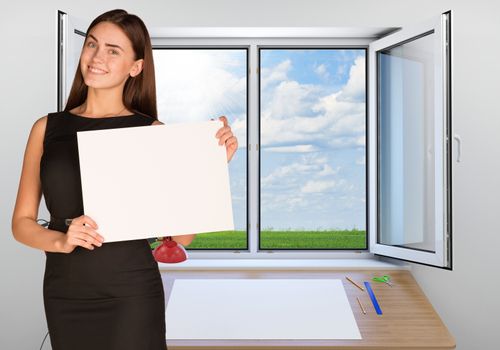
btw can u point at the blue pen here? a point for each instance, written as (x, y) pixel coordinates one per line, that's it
(372, 297)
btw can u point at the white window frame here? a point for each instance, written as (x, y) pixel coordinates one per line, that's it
(242, 38)
(441, 257)
(251, 38)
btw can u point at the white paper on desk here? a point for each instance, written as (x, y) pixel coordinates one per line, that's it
(259, 309)
(153, 181)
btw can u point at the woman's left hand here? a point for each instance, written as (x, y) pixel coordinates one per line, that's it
(226, 137)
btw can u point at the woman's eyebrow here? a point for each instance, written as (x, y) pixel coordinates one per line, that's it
(111, 45)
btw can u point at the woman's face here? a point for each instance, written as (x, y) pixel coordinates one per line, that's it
(107, 58)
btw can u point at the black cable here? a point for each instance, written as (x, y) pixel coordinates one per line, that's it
(43, 341)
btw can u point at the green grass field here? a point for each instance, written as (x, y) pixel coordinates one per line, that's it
(271, 239)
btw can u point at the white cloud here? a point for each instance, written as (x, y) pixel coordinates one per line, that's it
(317, 186)
(294, 175)
(354, 90)
(296, 129)
(289, 99)
(328, 170)
(295, 113)
(292, 172)
(276, 74)
(345, 142)
(321, 71)
(304, 184)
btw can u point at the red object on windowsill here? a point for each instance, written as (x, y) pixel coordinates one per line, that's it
(170, 252)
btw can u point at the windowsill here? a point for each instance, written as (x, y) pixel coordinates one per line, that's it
(284, 264)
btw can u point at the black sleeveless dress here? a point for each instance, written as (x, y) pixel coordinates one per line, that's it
(103, 299)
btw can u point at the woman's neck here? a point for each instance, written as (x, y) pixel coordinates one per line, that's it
(102, 103)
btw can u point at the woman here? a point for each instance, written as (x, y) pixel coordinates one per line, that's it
(96, 296)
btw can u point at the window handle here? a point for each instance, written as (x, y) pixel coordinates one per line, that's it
(459, 148)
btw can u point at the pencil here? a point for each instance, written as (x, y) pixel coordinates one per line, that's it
(361, 306)
(357, 285)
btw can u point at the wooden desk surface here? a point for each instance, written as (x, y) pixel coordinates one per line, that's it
(408, 321)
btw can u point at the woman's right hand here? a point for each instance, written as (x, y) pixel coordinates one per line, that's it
(81, 232)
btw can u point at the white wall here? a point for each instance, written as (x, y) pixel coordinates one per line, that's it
(464, 298)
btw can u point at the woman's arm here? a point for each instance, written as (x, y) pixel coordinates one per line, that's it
(185, 240)
(24, 226)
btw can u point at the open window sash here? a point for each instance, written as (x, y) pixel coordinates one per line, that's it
(409, 149)
(70, 39)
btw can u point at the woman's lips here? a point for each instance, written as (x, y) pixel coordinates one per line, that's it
(96, 70)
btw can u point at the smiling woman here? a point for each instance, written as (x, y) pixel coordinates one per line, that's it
(97, 295)
(116, 56)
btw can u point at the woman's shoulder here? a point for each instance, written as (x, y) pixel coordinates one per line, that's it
(45, 119)
(37, 134)
(44, 124)
(40, 124)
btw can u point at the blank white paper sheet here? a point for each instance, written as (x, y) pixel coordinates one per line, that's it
(154, 181)
(259, 309)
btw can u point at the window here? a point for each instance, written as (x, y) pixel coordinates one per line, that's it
(312, 164)
(406, 141)
(410, 152)
(312, 148)
(200, 84)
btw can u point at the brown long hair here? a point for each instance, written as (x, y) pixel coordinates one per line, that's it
(139, 92)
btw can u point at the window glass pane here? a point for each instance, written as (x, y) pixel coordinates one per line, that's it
(198, 85)
(312, 154)
(406, 144)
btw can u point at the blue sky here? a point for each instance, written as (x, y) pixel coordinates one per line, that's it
(312, 128)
